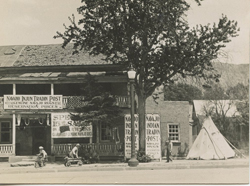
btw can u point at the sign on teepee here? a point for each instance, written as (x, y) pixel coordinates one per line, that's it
(210, 144)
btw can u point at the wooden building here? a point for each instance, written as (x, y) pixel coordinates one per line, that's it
(39, 84)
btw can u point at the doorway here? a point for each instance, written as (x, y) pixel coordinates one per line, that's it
(39, 134)
(32, 132)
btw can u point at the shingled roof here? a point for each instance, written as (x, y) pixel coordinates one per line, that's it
(9, 54)
(45, 55)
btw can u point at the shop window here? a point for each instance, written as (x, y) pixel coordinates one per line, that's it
(174, 132)
(5, 132)
(105, 132)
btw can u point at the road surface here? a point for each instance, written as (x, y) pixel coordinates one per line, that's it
(180, 176)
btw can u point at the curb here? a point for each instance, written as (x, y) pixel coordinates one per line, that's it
(115, 168)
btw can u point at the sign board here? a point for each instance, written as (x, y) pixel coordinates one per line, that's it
(153, 136)
(127, 140)
(63, 127)
(33, 102)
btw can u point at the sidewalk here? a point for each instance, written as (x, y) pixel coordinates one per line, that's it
(176, 164)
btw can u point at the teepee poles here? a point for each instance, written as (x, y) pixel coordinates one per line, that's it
(235, 148)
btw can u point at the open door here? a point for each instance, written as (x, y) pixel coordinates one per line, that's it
(38, 139)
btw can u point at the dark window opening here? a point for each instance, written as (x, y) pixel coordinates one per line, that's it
(105, 132)
(73, 89)
(6, 89)
(5, 132)
(33, 89)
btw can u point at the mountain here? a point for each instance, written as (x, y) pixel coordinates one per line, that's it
(231, 75)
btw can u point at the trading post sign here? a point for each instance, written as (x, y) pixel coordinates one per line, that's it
(153, 136)
(63, 127)
(32, 102)
(127, 140)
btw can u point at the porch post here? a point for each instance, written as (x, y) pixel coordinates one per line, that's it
(14, 125)
(14, 134)
(52, 140)
(52, 89)
(14, 89)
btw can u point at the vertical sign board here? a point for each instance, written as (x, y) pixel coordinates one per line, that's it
(153, 136)
(127, 140)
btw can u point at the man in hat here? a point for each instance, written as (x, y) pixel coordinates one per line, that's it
(74, 151)
(169, 149)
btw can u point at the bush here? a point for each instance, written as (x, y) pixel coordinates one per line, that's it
(143, 157)
(89, 155)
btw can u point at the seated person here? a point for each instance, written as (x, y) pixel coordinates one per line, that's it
(74, 151)
(42, 156)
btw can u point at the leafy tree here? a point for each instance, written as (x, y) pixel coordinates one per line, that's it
(99, 105)
(215, 92)
(239, 91)
(182, 92)
(151, 35)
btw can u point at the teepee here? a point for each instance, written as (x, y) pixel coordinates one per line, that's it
(210, 144)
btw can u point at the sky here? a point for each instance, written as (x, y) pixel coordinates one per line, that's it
(35, 22)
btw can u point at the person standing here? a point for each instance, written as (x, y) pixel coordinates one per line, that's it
(169, 149)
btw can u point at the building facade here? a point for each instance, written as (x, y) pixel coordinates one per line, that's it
(41, 85)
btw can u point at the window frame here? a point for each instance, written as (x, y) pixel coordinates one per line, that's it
(101, 135)
(9, 132)
(179, 132)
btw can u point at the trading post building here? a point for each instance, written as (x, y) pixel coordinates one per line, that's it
(40, 85)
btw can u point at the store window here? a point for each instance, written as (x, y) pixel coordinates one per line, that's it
(105, 132)
(174, 131)
(5, 132)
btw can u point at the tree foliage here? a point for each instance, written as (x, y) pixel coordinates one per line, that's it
(153, 36)
(215, 92)
(182, 92)
(99, 105)
(239, 91)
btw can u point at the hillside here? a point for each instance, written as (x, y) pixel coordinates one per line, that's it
(231, 75)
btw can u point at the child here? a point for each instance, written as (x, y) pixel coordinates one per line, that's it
(74, 152)
(42, 156)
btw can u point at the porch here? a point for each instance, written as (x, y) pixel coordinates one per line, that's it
(6, 150)
(107, 152)
(103, 149)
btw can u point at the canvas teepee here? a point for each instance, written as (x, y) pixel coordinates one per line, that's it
(210, 144)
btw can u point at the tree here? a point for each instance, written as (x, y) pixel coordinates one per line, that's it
(239, 92)
(151, 35)
(225, 116)
(215, 92)
(99, 105)
(182, 92)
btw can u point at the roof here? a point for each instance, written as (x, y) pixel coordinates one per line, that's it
(46, 55)
(9, 54)
(226, 106)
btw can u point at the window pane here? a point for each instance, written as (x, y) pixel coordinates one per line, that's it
(5, 126)
(173, 132)
(5, 137)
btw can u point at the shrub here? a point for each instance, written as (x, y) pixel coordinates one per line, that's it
(143, 157)
(89, 155)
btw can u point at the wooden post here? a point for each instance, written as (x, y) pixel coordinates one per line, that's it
(14, 124)
(52, 89)
(52, 140)
(14, 134)
(97, 132)
(190, 136)
(14, 89)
